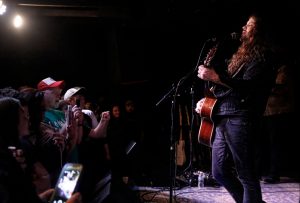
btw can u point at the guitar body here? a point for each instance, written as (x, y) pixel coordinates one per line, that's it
(207, 126)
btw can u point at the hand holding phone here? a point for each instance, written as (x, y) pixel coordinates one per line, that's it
(67, 182)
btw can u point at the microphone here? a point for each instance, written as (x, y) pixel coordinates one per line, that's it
(231, 36)
(211, 39)
(235, 35)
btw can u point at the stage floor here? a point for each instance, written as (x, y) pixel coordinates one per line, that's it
(286, 191)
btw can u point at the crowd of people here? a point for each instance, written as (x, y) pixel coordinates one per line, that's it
(42, 130)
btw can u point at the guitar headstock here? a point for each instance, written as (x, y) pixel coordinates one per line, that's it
(210, 56)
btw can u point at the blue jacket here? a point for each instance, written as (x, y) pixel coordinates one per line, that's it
(249, 91)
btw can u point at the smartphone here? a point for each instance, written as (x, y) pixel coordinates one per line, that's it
(78, 102)
(69, 115)
(67, 182)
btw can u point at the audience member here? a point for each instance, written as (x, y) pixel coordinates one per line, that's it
(117, 142)
(120, 144)
(278, 122)
(53, 128)
(135, 133)
(31, 101)
(15, 184)
(92, 148)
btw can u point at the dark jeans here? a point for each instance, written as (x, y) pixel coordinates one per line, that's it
(234, 143)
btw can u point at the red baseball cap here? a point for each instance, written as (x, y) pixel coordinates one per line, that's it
(48, 83)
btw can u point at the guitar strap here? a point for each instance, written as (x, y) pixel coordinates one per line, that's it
(212, 89)
(238, 70)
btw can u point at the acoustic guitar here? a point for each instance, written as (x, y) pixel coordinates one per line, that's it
(206, 129)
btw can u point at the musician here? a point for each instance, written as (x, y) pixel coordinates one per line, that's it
(241, 94)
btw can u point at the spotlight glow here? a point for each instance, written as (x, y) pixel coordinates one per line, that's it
(18, 21)
(2, 8)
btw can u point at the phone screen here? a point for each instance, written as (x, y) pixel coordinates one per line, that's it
(66, 183)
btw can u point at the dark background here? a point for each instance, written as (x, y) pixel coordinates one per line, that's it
(135, 49)
(107, 45)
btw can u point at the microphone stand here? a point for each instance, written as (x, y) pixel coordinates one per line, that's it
(174, 91)
(191, 132)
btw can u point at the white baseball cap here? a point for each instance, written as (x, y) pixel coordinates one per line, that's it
(72, 91)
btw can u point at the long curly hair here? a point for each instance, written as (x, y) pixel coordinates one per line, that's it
(254, 49)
